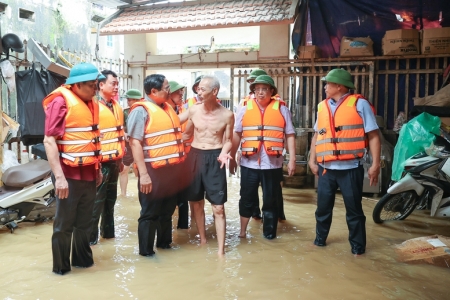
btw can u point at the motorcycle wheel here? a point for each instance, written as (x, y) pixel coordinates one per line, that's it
(394, 207)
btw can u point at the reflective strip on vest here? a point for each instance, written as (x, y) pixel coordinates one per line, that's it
(111, 129)
(341, 152)
(72, 156)
(80, 129)
(110, 152)
(77, 142)
(263, 138)
(172, 130)
(177, 142)
(276, 148)
(343, 127)
(248, 149)
(153, 159)
(118, 139)
(263, 127)
(340, 140)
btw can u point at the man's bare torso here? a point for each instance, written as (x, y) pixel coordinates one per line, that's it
(209, 126)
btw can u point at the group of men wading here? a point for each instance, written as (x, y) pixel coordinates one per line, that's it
(190, 143)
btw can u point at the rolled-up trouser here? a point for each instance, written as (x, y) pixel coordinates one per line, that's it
(157, 208)
(270, 183)
(72, 225)
(350, 183)
(104, 203)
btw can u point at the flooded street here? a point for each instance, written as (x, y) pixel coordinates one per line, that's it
(288, 267)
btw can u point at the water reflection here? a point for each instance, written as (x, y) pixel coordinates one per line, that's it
(287, 267)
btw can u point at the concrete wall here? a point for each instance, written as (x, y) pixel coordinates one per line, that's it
(136, 51)
(62, 23)
(274, 41)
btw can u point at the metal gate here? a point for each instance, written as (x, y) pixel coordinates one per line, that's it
(300, 85)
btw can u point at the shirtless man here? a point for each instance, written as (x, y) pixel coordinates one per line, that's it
(212, 126)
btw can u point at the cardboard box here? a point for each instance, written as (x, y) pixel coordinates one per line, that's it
(401, 42)
(308, 52)
(356, 46)
(435, 40)
(434, 250)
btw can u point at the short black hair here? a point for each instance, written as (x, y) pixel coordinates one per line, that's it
(106, 73)
(154, 81)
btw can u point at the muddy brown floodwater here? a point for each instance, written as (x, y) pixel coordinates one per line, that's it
(288, 267)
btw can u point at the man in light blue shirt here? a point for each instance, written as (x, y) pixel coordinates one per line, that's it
(342, 134)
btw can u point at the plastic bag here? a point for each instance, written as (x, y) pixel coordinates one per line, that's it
(415, 136)
(9, 160)
(32, 87)
(8, 73)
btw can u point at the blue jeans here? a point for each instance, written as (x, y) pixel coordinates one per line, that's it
(350, 183)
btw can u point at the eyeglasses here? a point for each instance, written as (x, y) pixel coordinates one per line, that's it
(167, 88)
(263, 90)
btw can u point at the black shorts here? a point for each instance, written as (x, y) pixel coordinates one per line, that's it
(206, 176)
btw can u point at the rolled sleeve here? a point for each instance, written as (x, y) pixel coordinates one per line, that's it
(239, 117)
(55, 117)
(137, 119)
(289, 129)
(366, 113)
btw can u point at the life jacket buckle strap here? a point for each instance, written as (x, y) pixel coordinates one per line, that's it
(338, 128)
(336, 152)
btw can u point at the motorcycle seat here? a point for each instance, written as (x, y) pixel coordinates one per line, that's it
(26, 174)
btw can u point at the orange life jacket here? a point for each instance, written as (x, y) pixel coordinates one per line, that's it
(80, 144)
(342, 136)
(260, 128)
(252, 96)
(162, 137)
(111, 131)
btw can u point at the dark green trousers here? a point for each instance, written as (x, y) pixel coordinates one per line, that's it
(104, 203)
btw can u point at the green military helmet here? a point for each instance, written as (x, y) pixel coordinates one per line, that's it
(175, 86)
(133, 94)
(196, 83)
(264, 79)
(255, 73)
(340, 76)
(84, 72)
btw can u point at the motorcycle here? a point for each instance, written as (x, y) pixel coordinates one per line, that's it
(27, 194)
(425, 183)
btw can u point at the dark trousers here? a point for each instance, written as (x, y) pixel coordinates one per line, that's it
(157, 209)
(350, 183)
(182, 202)
(281, 215)
(271, 188)
(72, 225)
(104, 203)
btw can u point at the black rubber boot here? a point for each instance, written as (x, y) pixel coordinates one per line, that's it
(270, 223)
(146, 236)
